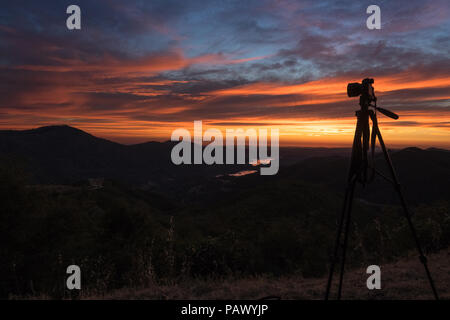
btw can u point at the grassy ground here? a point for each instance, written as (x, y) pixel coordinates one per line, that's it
(404, 279)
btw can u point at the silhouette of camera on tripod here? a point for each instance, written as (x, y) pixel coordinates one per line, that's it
(363, 172)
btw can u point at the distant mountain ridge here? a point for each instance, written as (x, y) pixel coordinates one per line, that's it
(65, 155)
(423, 174)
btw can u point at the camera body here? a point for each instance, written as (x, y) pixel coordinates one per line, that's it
(367, 97)
(365, 88)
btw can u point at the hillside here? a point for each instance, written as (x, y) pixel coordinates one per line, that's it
(195, 222)
(404, 280)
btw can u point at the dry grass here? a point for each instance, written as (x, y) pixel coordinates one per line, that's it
(404, 279)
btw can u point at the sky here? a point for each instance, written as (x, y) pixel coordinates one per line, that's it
(137, 70)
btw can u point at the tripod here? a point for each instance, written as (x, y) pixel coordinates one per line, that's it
(359, 167)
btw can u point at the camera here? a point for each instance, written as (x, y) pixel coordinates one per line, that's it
(367, 95)
(356, 89)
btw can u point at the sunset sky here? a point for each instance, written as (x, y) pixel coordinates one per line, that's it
(137, 70)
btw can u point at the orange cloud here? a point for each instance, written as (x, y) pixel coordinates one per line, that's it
(336, 86)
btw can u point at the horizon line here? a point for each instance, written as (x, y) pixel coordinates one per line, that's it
(281, 145)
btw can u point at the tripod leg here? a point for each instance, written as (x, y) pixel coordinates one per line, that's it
(346, 232)
(337, 242)
(347, 202)
(353, 175)
(397, 186)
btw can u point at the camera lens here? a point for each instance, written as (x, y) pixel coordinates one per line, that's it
(354, 89)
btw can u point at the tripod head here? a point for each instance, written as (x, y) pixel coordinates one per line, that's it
(367, 98)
